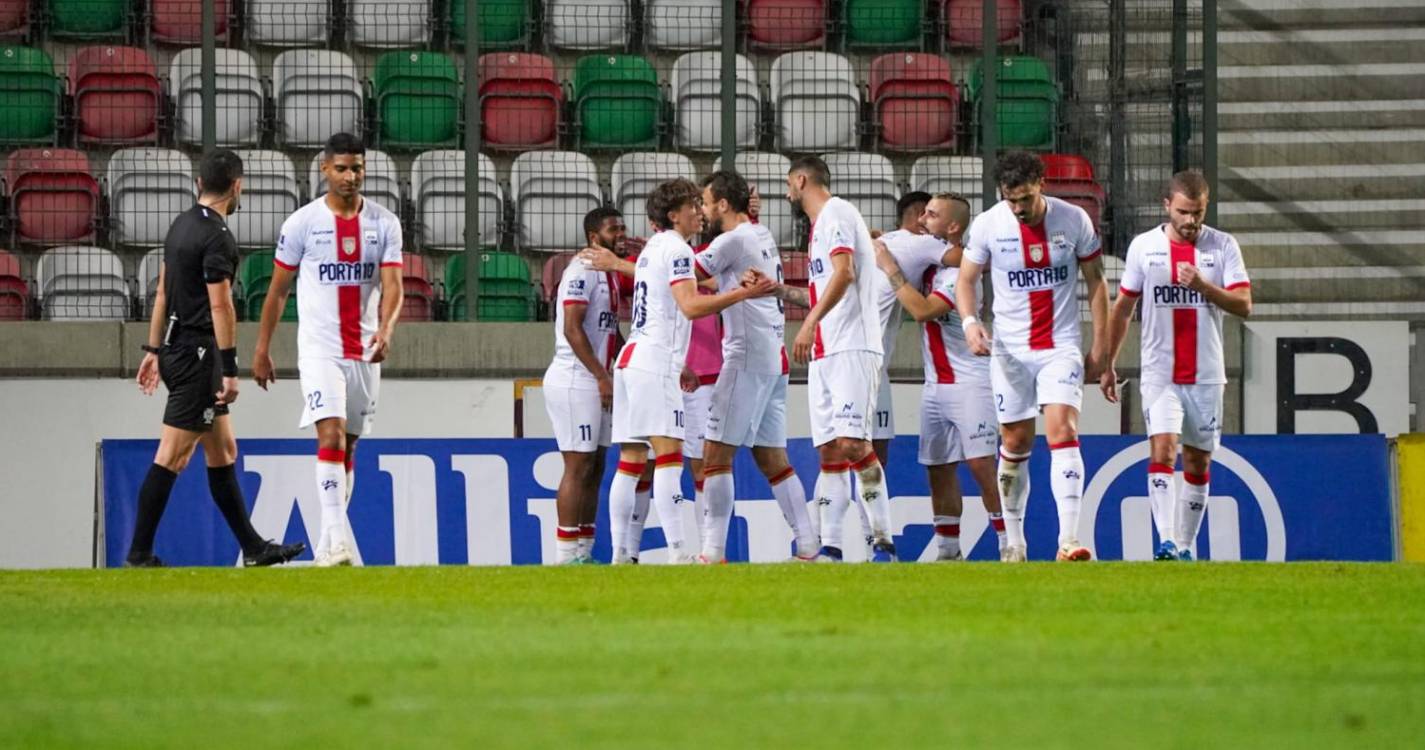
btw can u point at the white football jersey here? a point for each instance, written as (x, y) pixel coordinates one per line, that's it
(597, 293)
(943, 348)
(1035, 273)
(853, 325)
(1181, 330)
(338, 263)
(658, 333)
(915, 254)
(753, 331)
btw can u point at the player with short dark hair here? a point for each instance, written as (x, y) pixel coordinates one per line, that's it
(192, 349)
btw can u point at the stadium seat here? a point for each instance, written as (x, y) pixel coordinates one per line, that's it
(504, 24)
(52, 196)
(388, 23)
(1071, 178)
(419, 302)
(240, 99)
(82, 283)
(587, 24)
(869, 182)
(964, 20)
(796, 271)
(14, 23)
(950, 174)
(882, 23)
(181, 21)
(288, 23)
(417, 100)
(255, 276)
(550, 275)
(817, 100)
(697, 98)
(147, 188)
(318, 92)
(520, 101)
(682, 24)
(88, 19)
(438, 194)
(768, 173)
(552, 190)
(1026, 105)
(785, 24)
(14, 292)
(30, 95)
(270, 194)
(617, 101)
(916, 103)
(148, 279)
(505, 293)
(636, 174)
(382, 185)
(117, 96)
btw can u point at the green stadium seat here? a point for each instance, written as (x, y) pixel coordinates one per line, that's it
(30, 94)
(617, 101)
(254, 276)
(1027, 102)
(883, 23)
(88, 19)
(508, 309)
(506, 290)
(417, 100)
(504, 24)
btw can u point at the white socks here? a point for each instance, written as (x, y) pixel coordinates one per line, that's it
(875, 496)
(717, 511)
(947, 534)
(834, 487)
(667, 493)
(1192, 501)
(1066, 477)
(1013, 494)
(331, 490)
(792, 499)
(621, 510)
(566, 543)
(1160, 497)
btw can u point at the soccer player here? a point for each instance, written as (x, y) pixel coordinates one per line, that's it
(192, 349)
(579, 384)
(841, 342)
(648, 403)
(1188, 274)
(748, 406)
(702, 365)
(957, 406)
(1035, 247)
(348, 250)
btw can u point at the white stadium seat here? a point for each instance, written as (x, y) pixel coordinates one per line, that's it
(868, 181)
(552, 191)
(768, 173)
(288, 23)
(382, 184)
(634, 177)
(318, 92)
(438, 193)
(239, 102)
(82, 283)
(147, 188)
(148, 279)
(389, 23)
(817, 100)
(586, 24)
(270, 194)
(696, 85)
(950, 174)
(682, 24)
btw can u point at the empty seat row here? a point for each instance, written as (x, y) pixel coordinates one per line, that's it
(167, 21)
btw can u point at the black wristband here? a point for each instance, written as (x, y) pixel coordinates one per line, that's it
(229, 357)
(149, 349)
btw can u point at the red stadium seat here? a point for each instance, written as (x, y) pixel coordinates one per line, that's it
(785, 24)
(181, 21)
(552, 272)
(963, 19)
(796, 271)
(53, 197)
(520, 101)
(419, 303)
(117, 96)
(916, 102)
(14, 17)
(1070, 177)
(1067, 167)
(14, 292)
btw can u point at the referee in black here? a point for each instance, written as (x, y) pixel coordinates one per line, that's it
(192, 349)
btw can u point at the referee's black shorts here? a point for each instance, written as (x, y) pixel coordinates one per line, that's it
(193, 375)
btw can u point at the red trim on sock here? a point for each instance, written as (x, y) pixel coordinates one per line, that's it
(566, 534)
(866, 462)
(668, 459)
(331, 455)
(1013, 458)
(834, 468)
(586, 530)
(1160, 469)
(698, 485)
(998, 524)
(786, 474)
(949, 529)
(630, 468)
(1197, 479)
(350, 459)
(643, 486)
(1063, 445)
(712, 471)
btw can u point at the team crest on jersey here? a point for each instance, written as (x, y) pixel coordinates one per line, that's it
(1206, 261)
(1058, 238)
(1036, 252)
(369, 237)
(348, 245)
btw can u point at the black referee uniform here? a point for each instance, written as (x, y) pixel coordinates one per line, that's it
(199, 251)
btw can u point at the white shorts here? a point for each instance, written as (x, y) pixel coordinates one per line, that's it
(581, 424)
(695, 417)
(748, 408)
(841, 394)
(1024, 382)
(957, 422)
(340, 389)
(1191, 411)
(883, 424)
(646, 405)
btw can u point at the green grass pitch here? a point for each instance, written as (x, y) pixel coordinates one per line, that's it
(805, 656)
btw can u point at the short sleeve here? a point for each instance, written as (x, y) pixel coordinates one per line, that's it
(1234, 270)
(680, 265)
(391, 243)
(1132, 282)
(576, 289)
(713, 259)
(290, 243)
(945, 288)
(1087, 244)
(220, 257)
(977, 246)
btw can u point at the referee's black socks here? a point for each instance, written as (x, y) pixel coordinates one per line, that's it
(153, 498)
(222, 482)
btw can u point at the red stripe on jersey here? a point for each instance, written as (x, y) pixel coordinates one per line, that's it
(1092, 255)
(280, 264)
(676, 282)
(818, 350)
(1239, 285)
(699, 266)
(1125, 291)
(786, 363)
(348, 298)
(1184, 322)
(1041, 303)
(935, 341)
(835, 251)
(393, 265)
(627, 355)
(569, 302)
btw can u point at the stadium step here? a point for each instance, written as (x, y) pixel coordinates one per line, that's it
(1285, 14)
(1380, 113)
(1385, 44)
(1339, 284)
(1344, 247)
(1322, 182)
(1324, 215)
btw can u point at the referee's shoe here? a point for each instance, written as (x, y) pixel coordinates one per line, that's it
(273, 553)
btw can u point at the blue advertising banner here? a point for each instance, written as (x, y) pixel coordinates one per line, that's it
(491, 502)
